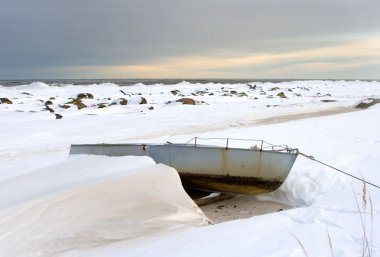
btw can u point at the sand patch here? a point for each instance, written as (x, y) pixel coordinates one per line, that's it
(249, 122)
(221, 207)
(306, 115)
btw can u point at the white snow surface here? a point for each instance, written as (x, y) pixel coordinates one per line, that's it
(52, 205)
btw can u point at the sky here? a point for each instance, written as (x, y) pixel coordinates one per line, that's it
(263, 39)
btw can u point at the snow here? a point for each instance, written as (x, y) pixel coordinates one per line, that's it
(36, 173)
(82, 203)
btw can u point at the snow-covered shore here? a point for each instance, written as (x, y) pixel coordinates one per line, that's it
(324, 200)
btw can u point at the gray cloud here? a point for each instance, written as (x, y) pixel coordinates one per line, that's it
(49, 33)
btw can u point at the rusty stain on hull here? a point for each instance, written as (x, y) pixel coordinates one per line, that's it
(229, 184)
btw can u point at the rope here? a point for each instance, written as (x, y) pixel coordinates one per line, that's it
(285, 147)
(327, 165)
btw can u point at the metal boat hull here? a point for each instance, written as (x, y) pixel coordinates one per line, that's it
(217, 169)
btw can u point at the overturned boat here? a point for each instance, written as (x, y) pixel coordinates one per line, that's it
(257, 169)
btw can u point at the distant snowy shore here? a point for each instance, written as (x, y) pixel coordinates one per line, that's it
(97, 99)
(39, 122)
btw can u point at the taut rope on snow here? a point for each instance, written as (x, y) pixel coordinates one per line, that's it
(327, 165)
(263, 145)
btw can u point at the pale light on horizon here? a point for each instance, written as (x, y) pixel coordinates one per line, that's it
(347, 55)
(190, 39)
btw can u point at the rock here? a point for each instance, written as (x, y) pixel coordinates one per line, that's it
(102, 105)
(174, 92)
(65, 106)
(5, 101)
(78, 102)
(123, 92)
(80, 105)
(123, 101)
(364, 104)
(52, 98)
(151, 108)
(58, 116)
(85, 96)
(25, 93)
(201, 92)
(119, 101)
(304, 88)
(47, 107)
(233, 92)
(48, 103)
(328, 101)
(274, 89)
(281, 95)
(189, 101)
(143, 101)
(241, 94)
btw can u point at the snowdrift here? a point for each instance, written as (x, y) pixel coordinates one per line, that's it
(74, 206)
(70, 209)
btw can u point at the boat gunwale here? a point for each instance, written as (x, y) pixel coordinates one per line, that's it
(292, 151)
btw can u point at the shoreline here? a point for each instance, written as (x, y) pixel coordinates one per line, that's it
(244, 124)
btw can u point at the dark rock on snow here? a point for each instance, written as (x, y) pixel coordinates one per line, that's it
(78, 103)
(85, 96)
(364, 104)
(241, 94)
(174, 92)
(189, 101)
(281, 95)
(102, 105)
(5, 101)
(47, 107)
(123, 101)
(120, 101)
(143, 101)
(65, 106)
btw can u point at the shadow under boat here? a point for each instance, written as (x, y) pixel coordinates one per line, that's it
(254, 170)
